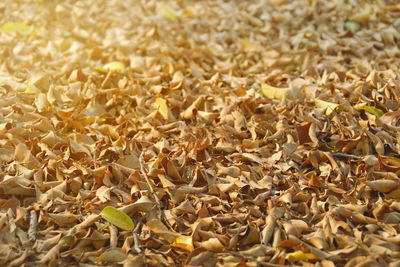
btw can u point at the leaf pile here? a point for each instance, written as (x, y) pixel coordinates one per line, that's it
(203, 133)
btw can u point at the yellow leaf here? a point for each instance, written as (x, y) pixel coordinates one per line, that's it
(188, 13)
(165, 182)
(31, 89)
(16, 27)
(279, 93)
(168, 12)
(112, 66)
(163, 108)
(330, 107)
(300, 256)
(117, 217)
(184, 242)
(273, 92)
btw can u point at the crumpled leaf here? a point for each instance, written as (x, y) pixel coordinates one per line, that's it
(395, 194)
(384, 186)
(228, 174)
(16, 27)
(213, 244)
(389, 163)
(114, 66)
(300, 256)
(165, 182)
(118, 218)
(161, 230)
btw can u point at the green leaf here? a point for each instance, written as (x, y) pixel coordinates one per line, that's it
(352, 26)
(117, 217)
(16, 27)
(330, 107)
(168, 12)
(372, 110)
(112, 66)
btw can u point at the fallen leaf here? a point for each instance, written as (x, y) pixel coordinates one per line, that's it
(183, 242)
(117, 217)
(300, 256)
(31, 89)
(112, 256)
(352, 26)
(395, 194)
(168, 12)
(114, 66)
(384, 186)
(16, 27)
(163, 108)
(389, 163)
(279, 93)
(330, 107)
(372, 110)
(213, 244)
(160, 229)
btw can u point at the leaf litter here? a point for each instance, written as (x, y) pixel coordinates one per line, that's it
(199, 133)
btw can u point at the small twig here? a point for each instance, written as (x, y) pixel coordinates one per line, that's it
(142, 170)
(98, 147)
(32, 226)
(106, 79)
(343, 155)
(113, 236)
(136, 245)
(91, 219)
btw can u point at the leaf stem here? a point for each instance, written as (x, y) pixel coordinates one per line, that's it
(142, 170)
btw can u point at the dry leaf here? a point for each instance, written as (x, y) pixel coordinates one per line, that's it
(212, 244)
(268, 133)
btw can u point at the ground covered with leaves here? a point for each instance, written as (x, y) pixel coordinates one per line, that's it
(200, 133)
